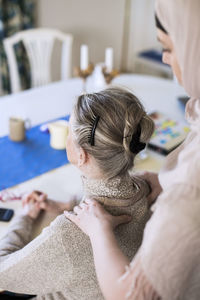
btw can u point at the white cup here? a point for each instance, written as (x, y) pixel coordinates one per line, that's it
(59, 132)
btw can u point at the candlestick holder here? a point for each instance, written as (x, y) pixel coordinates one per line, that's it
(109, 76)
(84, 74)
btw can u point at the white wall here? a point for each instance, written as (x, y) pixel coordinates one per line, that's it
(98, 23)
(101, 23)
(142, 29)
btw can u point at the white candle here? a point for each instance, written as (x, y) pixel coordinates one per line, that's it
(84, 57)
(109, 59)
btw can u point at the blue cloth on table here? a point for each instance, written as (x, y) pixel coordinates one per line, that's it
(21, 161)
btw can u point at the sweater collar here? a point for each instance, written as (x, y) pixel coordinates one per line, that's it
(118, 191)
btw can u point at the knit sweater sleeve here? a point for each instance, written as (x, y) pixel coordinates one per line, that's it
(18, 235)
(23, 270)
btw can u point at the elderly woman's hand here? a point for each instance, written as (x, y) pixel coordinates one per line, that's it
(41, 201)
(91, 217)
(31, 203)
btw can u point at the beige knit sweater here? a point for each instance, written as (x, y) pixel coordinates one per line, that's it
(58, 264)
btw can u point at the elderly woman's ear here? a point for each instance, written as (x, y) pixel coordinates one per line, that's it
(83, 157)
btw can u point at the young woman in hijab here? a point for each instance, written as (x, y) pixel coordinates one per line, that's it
(167, 265)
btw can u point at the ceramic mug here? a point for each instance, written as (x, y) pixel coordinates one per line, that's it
(17, 128)
(59, 132)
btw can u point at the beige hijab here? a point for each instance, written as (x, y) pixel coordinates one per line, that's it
(181, 19)
(167, 265)
(170, 250)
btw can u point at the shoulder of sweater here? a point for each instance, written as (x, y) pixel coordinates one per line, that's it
(69, 235)
(61, 225)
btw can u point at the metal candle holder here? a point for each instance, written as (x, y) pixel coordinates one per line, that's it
(84, 74)
(109, 76)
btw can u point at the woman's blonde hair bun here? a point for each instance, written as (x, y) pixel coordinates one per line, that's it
(123, 126)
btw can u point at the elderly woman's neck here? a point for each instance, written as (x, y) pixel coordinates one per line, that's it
(93, 175)
(91, 170)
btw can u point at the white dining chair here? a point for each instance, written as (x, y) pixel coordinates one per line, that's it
(39, 45)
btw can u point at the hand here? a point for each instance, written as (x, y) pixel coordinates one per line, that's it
(31, 204)
(152, 179)
(58, 207)
(46, 204)
(91, 217)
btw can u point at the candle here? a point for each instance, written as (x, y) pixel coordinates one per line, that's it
(109, 59)
(84, 57)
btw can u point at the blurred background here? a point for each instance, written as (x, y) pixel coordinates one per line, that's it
(125, 25)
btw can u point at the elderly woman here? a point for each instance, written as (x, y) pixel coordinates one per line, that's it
(107, 130)
(167, 265)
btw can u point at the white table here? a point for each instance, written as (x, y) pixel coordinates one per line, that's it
(40, 104)
(55, 100)
(155, 93)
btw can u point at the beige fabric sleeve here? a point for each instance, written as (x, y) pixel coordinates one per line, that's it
(171, 245)
(167, 264)
(136, 282)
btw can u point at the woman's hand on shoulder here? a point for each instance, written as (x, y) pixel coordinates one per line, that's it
(91, 218)
(152, 179)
